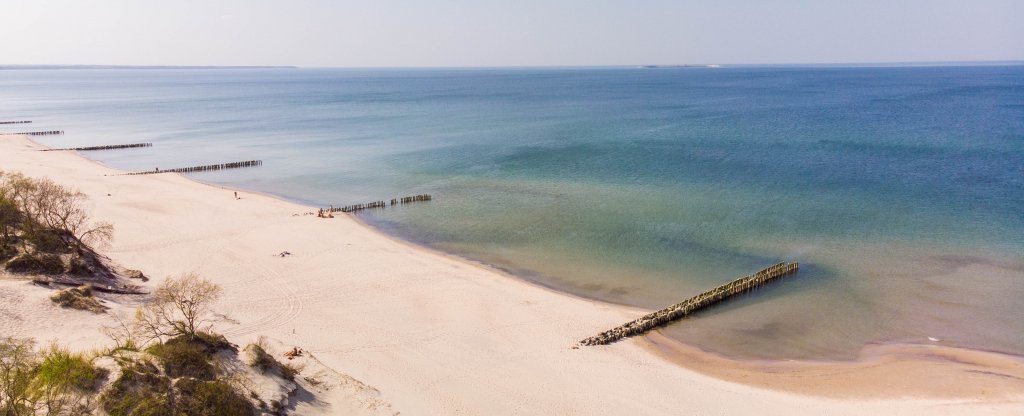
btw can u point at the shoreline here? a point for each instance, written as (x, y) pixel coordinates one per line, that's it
(567, 316)
(868, 377)
(749, 371)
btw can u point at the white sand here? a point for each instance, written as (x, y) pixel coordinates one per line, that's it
(418, 332)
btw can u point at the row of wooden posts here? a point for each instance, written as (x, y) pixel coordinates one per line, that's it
(232, 165)
(680, 310)
(378, 204)
(409, 199)
(109, 147)
(35, 133)
(358, 207)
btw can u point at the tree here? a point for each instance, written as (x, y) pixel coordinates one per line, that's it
(17, 368)
(64, 210)
(9, 218)
(178, 308)
(47, 213)
(19, 191)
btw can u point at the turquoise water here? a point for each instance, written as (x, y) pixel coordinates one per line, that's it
(900, 190)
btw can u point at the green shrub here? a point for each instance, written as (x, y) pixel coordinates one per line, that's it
(210, 398)
(212, 342)
(138, 392)
(78, 298)
(36, 263)
(64, 382)
(60, 368)
(17, 368)
(181, 358)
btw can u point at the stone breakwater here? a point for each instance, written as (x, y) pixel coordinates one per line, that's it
(685, 308)
(16, 122)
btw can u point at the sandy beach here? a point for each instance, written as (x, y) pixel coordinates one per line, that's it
(411, 331)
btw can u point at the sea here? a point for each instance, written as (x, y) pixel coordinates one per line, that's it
(898, 189)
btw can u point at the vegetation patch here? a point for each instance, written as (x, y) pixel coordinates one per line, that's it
(260, 359)
(36, 263)
(54, 380)
(79, 267)
(65, 369)
(184, 384)
(48, 241)
(210, 398)
(78, 298)
(181, 358)
(213, 342)
(138, 391)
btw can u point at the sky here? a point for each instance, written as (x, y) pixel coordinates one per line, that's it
(482, 33)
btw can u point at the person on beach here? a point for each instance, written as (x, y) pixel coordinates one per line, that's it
(236, 194)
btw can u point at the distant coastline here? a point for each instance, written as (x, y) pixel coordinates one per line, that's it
(912, 64)
(677, 66)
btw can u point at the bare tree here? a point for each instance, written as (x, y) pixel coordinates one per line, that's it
(42, 208)
(123, 334)
(65, 210)
(179, 308)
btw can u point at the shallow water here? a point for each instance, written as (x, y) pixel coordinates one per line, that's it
(900, 190)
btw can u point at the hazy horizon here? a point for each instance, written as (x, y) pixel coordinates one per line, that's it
(658, 65)
(457, 34)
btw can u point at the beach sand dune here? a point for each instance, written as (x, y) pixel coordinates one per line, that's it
(408, 330)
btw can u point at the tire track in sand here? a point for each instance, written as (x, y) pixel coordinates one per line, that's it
(278, 311)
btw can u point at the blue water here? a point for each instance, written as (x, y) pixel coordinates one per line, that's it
(900, 190)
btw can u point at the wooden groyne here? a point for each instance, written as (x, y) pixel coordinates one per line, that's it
(681, 310)
(232, 165)
(109, 147)
(376, 204)
(35, 133)
(16, 122)
(410, 199)
(358, 207)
